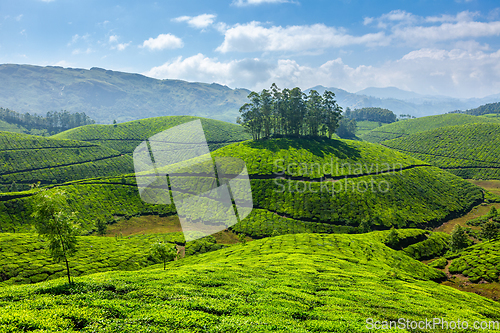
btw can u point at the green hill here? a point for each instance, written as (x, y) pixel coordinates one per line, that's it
(24, 257)
(26, 159)
(125, 137)
(469, 151)
(105, 95)
(292, 283)
(362, 187)
(343, 185)
(478, 262)
(403, 128)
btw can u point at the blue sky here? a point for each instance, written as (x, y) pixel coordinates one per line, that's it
(431, 47)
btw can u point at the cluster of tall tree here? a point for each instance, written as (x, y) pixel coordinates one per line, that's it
(371, 114)
(52, 122)
(290, 112)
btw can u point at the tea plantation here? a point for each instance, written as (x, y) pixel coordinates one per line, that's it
(478, 262)
(27, 159)
(469, 151)
(403, 128)
(291, 283)
(125, 137)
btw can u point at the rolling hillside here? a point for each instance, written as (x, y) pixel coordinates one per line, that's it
(343, 185)
(292, 283)
(362, 187)
(105, 95)
(125, 137)
(27, 159)
(411, 126)
(469, 151)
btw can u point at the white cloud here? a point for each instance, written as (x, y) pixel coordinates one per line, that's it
(19, 17)
(241, 3)
(455, 72)
(199, 22)
(113, 39)
(163, 41)
(122, 46)
(448, 31)
(460, 17)
(241, 73)
(253, 36)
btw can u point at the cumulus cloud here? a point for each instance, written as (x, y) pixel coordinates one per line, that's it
(456, 72)
(163, 41)
(254, 36)
(242, 3)
(200, 22)
(113, 39)
(236, 73)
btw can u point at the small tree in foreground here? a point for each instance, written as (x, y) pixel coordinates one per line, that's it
(56, 225)
(459, 239)
(164, 252)
(392, 239)
(489, 230)
(101, 227)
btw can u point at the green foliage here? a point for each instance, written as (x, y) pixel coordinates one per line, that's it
(393, 239)
(300, 283)
(459, 239)
(490, 108)
(434, 245)
(372, 114)
(242, 239)
(52, 122)
(163, 252)
(423, 124)
(26, 159)
(101, 227)
(480, 261)
(90, 199)
(439, 263)
(290, 113)
(347, 128)
(56, 225)
(125, 137)
(469, 151)
(490, 231)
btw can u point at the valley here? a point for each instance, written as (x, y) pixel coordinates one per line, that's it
(340, 231)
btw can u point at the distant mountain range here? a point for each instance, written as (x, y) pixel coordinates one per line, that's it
(107, 95)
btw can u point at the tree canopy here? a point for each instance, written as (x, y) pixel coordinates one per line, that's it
(52, 122)
(371, 114)
(290, 112)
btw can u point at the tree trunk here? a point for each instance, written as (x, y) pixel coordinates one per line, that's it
(67, 269)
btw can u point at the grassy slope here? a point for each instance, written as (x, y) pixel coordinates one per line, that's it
(24, 258)
(27, 159)
(478, 262)
(365, 126)
(470, 151)
(411, 126)
(414, 197)
(125, 137)
(293, 283)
